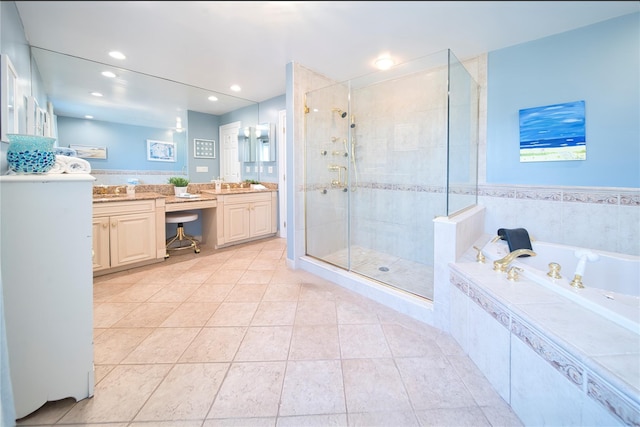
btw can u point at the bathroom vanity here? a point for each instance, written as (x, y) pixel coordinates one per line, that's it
(242, 217)
(129, 231)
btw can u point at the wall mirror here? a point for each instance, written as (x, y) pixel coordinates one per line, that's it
(129, 97)
(247, 144)
(9, 98)
(257, 143)
(265, 133)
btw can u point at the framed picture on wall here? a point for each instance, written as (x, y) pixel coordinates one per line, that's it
(204, 149)
(161, 151)
(89, 151)
(553, 133)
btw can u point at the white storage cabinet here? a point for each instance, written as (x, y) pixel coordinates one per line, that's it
(47, 283)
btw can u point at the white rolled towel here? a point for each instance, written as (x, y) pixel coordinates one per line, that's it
(59, 166)
(76, 165)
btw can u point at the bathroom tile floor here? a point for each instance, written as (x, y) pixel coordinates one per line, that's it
(233, 337)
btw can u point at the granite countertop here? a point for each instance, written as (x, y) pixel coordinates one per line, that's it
(236, 191)
(162, 191)
(105, 198)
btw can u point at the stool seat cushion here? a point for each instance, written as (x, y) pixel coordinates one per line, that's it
(177, 217)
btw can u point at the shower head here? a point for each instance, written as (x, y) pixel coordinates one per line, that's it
(343, 114)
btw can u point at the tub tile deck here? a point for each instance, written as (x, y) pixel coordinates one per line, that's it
(597, 355)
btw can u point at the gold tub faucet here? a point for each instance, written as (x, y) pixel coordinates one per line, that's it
(502, 264)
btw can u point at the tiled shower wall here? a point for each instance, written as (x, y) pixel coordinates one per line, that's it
(401, 154)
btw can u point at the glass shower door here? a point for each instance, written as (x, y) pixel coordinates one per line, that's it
(326, 175)
(386, 153)
(399, 138)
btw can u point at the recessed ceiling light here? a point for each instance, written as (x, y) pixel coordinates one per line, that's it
(235, 88)
(109, 74)
(98, 94)
(117, 55)
(384, 63)
(212, 98)
(88, 117)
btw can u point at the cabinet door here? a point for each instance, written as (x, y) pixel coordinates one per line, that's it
(133, 238)
(100, 243)
(236, 222)
(260, 220)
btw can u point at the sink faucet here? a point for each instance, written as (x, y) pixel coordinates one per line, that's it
(502, 264)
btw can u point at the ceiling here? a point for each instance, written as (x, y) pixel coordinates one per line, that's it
(177, 51)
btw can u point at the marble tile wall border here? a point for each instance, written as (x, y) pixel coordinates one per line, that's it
(595, 195)
(594, 386)
(133, 172)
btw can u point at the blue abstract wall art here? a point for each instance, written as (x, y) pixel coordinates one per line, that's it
(553, 133)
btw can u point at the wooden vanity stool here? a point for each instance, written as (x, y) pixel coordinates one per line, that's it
(178, 241)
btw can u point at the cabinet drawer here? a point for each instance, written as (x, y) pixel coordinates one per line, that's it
(247, 198)
(124, 207)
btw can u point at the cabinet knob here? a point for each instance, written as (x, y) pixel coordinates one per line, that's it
(105, 225)
(113, 224)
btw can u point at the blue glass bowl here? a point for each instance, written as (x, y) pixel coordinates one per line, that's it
(28, 154)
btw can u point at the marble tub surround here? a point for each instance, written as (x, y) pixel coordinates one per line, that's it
(535, 345)
(604, 218)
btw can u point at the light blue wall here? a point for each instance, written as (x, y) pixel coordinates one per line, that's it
(203, 126)
(247, 116)
(126, 145)
(599, 64)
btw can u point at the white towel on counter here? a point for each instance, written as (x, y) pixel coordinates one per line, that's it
(59, 165)
(68, 164)
(76, 165)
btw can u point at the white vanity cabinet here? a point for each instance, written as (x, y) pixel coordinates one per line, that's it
(245, 217)
(126, 233)
(47, 286)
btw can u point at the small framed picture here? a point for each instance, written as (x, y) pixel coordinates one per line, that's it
(89, 152)
(204, 149)
(161, 151)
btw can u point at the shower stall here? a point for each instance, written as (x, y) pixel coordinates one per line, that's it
(385, 154)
